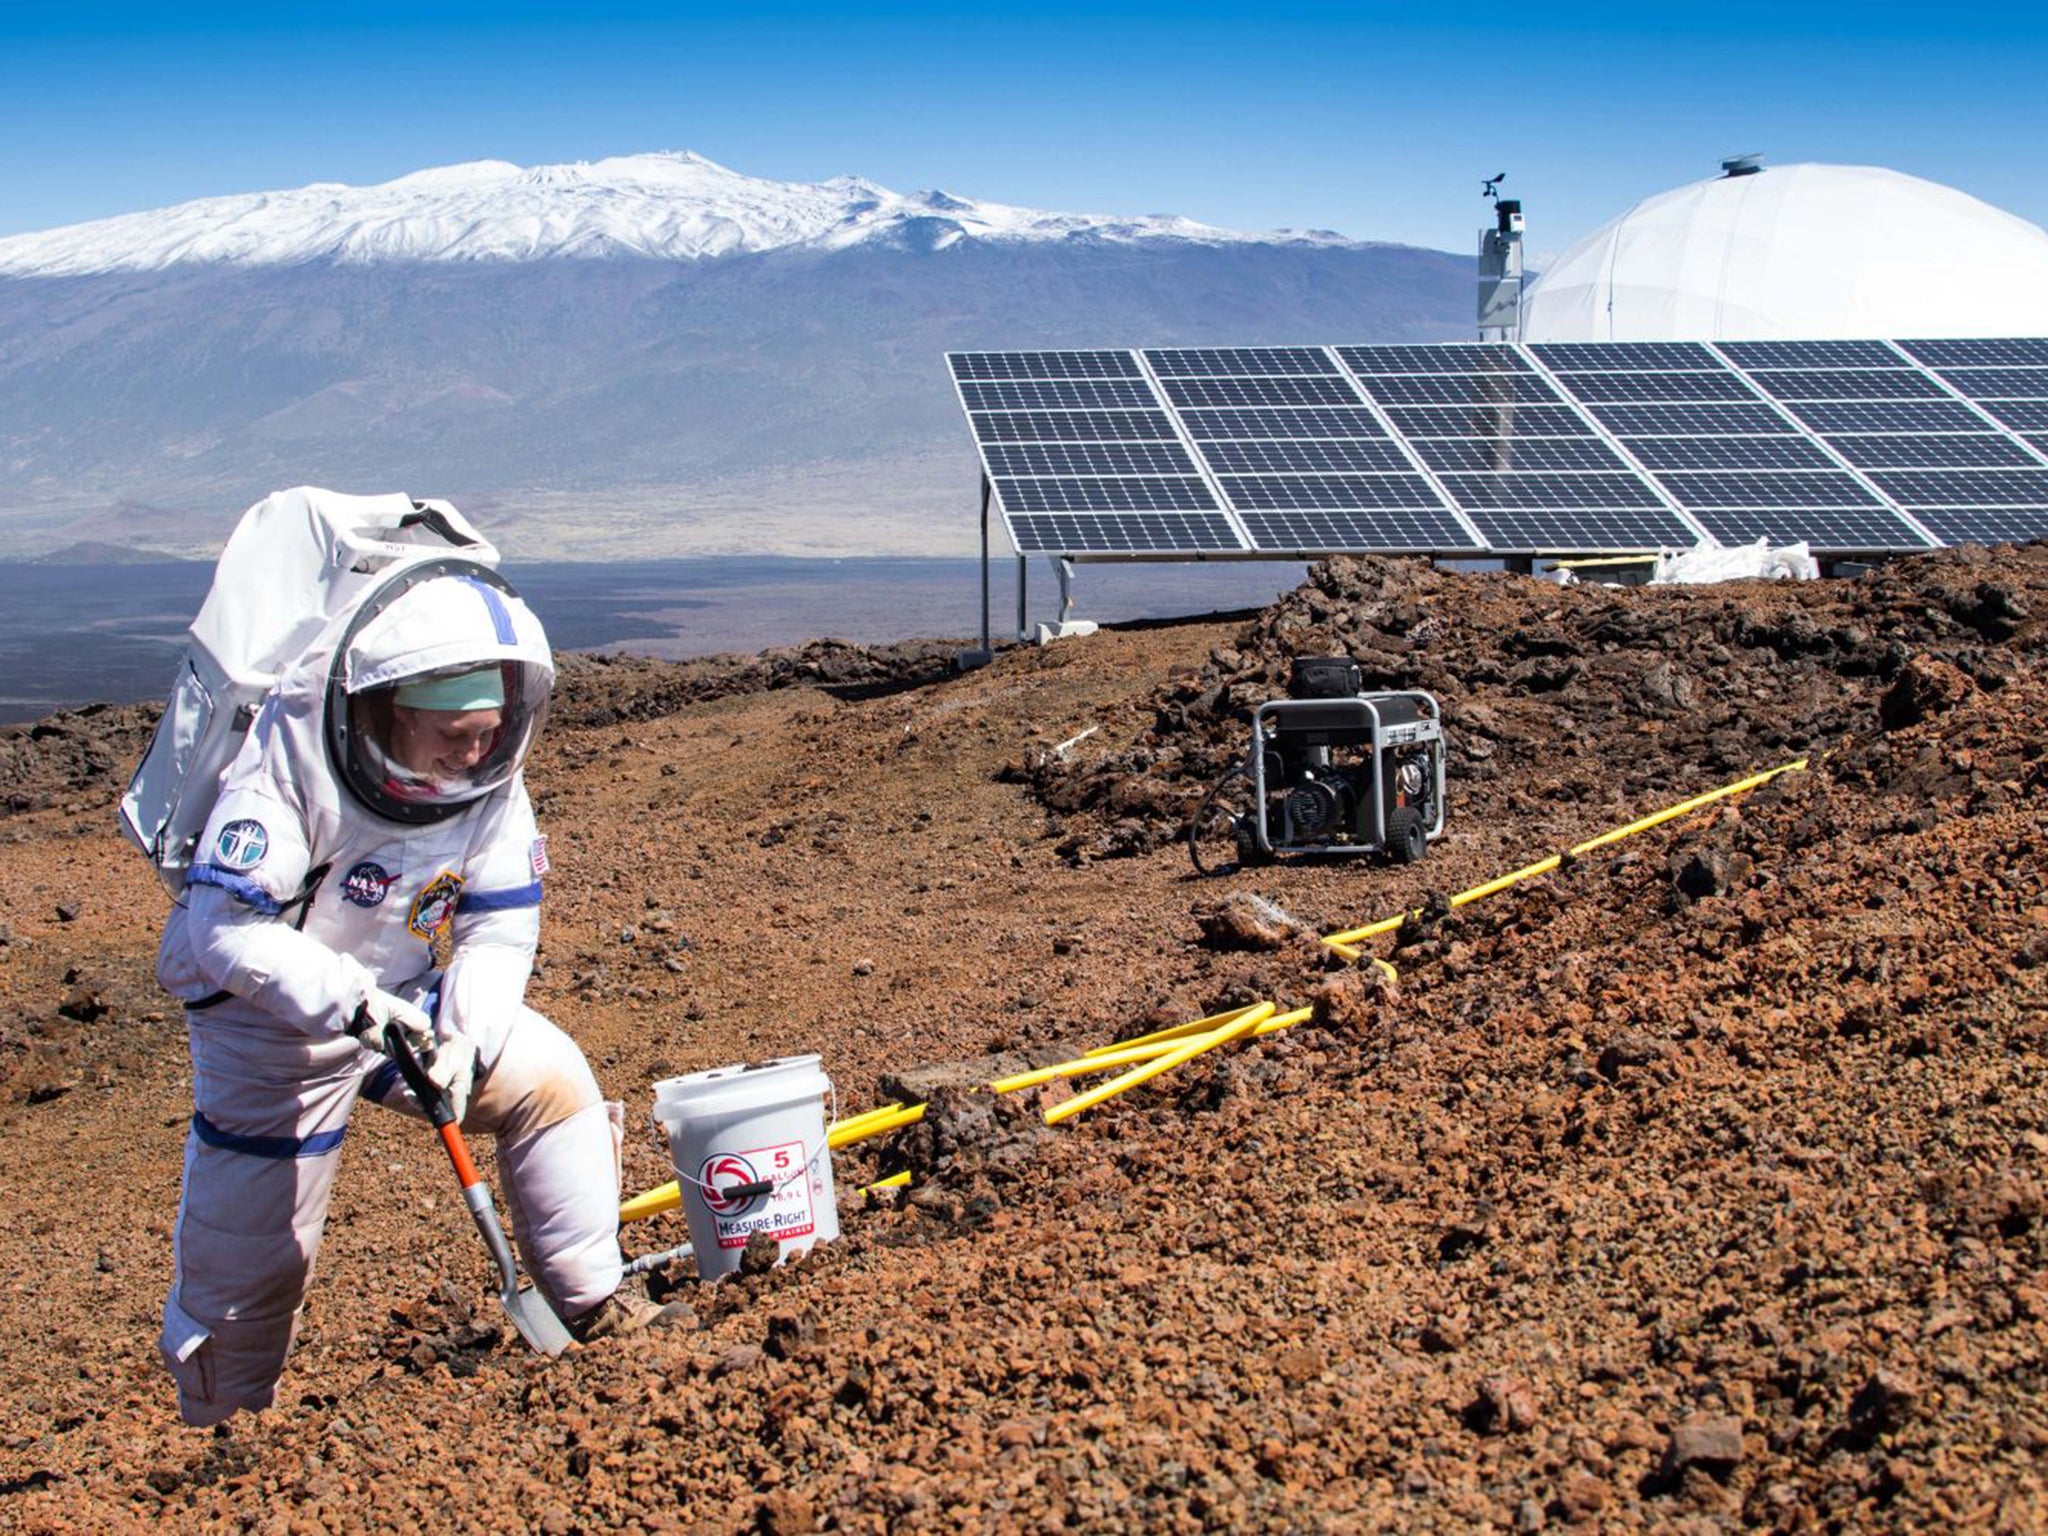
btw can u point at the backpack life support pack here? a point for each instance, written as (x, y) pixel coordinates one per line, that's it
(297, 560)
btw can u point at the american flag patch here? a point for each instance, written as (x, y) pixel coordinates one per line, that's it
(540, 855)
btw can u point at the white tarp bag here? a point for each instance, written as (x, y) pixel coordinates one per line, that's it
(297, 560)
(1708, 562)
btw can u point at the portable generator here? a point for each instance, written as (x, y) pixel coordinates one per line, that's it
(1331, 769)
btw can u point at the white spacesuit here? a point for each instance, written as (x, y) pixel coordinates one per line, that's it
(373, 859)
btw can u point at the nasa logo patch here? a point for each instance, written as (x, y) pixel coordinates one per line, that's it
(242, 844)
(366, 885)
(434, 908)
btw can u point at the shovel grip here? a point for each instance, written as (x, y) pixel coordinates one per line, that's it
(435, 1103)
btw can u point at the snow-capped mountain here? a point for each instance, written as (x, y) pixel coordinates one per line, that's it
(662, 207)
(641, 357)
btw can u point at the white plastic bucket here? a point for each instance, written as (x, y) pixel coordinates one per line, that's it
(740, 1128)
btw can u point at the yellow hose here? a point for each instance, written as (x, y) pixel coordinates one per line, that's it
(1346, 943)
(1080, 1066)
(874, 1125)
(1151, 1069)
(1180, 1031)
(894, 1181)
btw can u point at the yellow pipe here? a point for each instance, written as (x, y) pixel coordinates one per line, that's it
(853, 1123)
(879, 1125)
(1181, 1031)
(1797, 765)
(1280, 1021)
(1345, 942)
(1151, 1069)
(652, 1203)
(1081, 1066)
(894, 1181)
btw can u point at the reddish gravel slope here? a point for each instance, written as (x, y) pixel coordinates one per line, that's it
(1697, 1186)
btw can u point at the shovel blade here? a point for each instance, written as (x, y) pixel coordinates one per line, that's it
(536, 1320)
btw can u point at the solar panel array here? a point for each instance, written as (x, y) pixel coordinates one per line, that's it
(1469, 448)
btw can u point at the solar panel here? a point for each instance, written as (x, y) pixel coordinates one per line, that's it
(1418, 530)
(1043, 365)
(1526, 489)
(1470, 453)
(1276, 391)
(1455, 388)
(1595, 530)
(1826, 416)
(1507, 421)
(1715, 420)
(1329, 491)
(1033, 394)
(1466, 358)
(1657, 386)
(1568, 356)
(1998, 383)
(1154, 493)
(1847, 384)
(1472, 446)
(1129, 533)
(1973, 352)
(1309, 421)
(1238, 362)
(2020, 415)
(1752, 355)
(1805, 489)
(1304, 456)
(1946, 450)
(1089, 459)
(1984, 525)
(1071, 426)
(1728, 453)
(1851, 530)
(1964, 487)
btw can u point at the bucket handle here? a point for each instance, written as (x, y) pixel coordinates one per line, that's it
(769, 1186)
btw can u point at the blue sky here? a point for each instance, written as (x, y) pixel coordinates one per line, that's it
(1365, 118)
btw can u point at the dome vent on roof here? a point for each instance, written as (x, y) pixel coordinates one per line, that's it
(1798, 251)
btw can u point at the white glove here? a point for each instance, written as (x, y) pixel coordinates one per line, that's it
(381, 1008)
(453, 1071)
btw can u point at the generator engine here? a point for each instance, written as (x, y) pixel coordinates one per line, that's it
(1334, 769)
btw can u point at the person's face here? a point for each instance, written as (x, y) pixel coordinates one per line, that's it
(442, 743)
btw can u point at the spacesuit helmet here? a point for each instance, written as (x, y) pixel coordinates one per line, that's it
(436, 693)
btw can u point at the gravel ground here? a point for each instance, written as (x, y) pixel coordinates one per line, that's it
(1695, 1186)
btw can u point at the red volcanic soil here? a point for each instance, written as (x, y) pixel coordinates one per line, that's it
(1698, 1185)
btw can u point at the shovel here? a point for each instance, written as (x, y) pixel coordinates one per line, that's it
(528, 1309)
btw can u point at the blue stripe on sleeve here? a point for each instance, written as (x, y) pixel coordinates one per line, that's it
(382, 1081)
(499, 901)
(274, 1147)
(241, 887)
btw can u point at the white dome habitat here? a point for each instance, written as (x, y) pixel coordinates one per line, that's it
(1807, 251)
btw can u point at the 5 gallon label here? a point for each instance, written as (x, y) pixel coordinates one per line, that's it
(783, 1213)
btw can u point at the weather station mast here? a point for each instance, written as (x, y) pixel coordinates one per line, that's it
(1500, 266)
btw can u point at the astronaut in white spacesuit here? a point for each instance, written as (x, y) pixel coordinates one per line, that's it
(373, 860)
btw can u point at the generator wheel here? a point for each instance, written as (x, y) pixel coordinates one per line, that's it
(1221, 837)
(1407, 835)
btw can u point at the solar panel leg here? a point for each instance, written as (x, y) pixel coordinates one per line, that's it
(1023, 602)
(967, 661)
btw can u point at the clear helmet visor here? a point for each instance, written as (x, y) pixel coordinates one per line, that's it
(444, 739)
